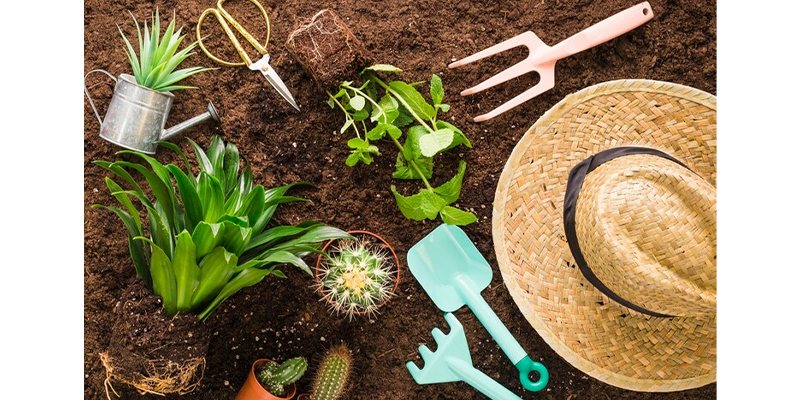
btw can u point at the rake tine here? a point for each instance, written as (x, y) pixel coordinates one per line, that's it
(413, 369)
(512, 72)
(438, 335)
(453, 322)
(519, 40)
(546, 83)
(425, 352)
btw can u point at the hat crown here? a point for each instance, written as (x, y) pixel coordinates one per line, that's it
(646, 226)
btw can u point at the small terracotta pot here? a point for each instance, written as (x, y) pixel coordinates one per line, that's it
(318, 268)
(252, 389)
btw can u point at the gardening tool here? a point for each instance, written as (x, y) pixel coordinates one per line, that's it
(453, 272)
(542, 58)
(136, 115)
(451, 362)
(261, 65)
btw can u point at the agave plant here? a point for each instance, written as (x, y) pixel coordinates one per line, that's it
(154, 67)
(216, 240)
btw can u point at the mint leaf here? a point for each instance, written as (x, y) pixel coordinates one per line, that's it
(459, 137)
(394, 131)
(451, 190)
(383, 67)
(357, 143)
(346, 125)
(437, 91)
(409, 206)
(430, 203)
(387, 110)
(403, 170)
(353, 158)
(454, 216)
(403, 118)
(433, 143)
(411, 147)
(414, 99)
(377, 132)
(357, 102)
(443, 107)
(361, 115)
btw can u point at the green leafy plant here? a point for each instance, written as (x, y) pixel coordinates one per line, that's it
(333, 373)
(276, 377)
(154, 67)
(377, 110)
(215, 240)
(357, 277)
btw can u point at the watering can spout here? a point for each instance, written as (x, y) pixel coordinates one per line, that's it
(189, 123)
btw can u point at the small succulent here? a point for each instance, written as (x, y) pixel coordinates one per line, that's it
(276, 377)
(332, 375)
(154, 67)
(357, 277)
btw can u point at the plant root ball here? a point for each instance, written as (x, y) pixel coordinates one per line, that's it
(328, 50)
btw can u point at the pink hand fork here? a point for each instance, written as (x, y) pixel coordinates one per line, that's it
(542, 58)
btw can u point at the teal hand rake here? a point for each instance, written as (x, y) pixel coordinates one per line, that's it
(451, 362)
(453, 273)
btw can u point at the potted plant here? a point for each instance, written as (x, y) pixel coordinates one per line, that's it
(357, 275)
(330, 380)
(204, 238)
(269, 381)
(147, 94)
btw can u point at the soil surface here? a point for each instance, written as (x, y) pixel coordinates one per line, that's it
(279, 319)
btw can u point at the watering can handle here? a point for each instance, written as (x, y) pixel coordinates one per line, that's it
(86, 90)
(471, 296)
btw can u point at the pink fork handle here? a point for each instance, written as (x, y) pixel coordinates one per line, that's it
(603, 31)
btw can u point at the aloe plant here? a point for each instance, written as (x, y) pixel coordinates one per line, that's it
(154, 66)
(216, 240)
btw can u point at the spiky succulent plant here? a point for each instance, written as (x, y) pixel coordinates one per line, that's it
(276, 377)
(331, 378)
(357, 277)
(215, 241)
(154, 66)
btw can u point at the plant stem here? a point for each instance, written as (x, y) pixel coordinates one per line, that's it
(396, 142)
(400, 99)
(346, 114)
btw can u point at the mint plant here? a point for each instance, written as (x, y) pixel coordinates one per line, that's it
(376, 110)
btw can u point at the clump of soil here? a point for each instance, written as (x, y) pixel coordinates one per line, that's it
(327, 49)
(152, 352)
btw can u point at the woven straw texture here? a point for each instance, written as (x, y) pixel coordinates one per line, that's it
(595, 334)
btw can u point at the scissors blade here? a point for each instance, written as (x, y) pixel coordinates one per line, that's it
(273, 79)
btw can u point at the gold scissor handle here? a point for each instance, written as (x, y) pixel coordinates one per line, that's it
(222, 17)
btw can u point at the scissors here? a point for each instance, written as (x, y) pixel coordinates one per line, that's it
(260, 65)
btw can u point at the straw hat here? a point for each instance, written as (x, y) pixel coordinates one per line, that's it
(605, 231)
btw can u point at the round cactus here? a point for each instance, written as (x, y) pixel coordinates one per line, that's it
(332, 375)
(357, 277)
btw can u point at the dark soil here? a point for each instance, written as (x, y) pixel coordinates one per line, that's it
(280, 319)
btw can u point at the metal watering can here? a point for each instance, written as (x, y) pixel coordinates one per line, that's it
(136, 115)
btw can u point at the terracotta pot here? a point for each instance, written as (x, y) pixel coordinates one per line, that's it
(252, 389)
(304, 396)
(388, 246)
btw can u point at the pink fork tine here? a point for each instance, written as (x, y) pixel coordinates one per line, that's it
(523, 39)
(546, 82)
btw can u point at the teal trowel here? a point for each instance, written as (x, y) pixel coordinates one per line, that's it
(453, 273)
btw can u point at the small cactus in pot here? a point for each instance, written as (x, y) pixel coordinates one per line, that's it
(275, 378)
(332, 375)
(357, 276)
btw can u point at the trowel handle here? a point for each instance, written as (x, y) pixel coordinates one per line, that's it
(471, 296)
(480, 381)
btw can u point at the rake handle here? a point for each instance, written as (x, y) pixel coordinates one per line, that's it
(603, 31)
(480, 381)
(513, 350)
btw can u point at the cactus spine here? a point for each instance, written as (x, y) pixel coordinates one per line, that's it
(331, 378)
(276, 377)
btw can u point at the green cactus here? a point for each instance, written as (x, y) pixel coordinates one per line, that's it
(357, 277)
(276, 377)
(331, 378)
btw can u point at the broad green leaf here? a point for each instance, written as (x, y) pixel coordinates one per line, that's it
(159, 229)
(360, 115)
(230, 166)
(202, 159)
(435, 142)
(411, 148)
(443, 107)
(216, 154)
(210, 192)
(403, 117)
(315, 235)
(451, 190)
(409, 206)
(189, 197)
(277, 233)
(357, 102)
(277, 258)
(164, 284)
(387, 111)
(187, 272)
(254, 205)
(459, 137)
(206, 237)
(383, 67)
(357, 143)
(454, 216)
(404, 170)
(120, 172)
(431, 203)
(216, 269)
(353, 158)
(161, 191)
(175, 148)
(413, 99)
(377, 132)
(123, 198)
(246, 278)
(437, 91)
(394, 131)
(140, 260)
(235, 237)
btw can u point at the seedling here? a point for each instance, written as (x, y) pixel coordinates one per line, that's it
(372, 117)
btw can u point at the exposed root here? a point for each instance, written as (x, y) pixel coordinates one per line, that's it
(160, 377)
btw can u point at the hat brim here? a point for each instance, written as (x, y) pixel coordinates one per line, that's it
(605, 340)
